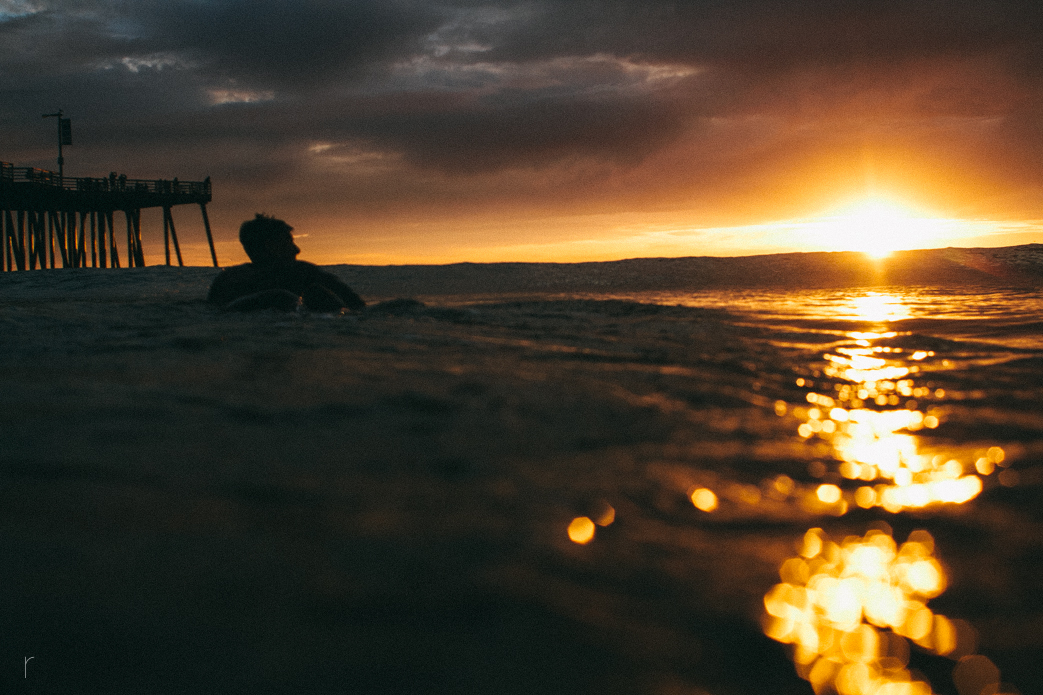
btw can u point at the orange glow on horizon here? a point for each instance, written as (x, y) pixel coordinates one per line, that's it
(879, 226)
(875, 228)
(875, 225)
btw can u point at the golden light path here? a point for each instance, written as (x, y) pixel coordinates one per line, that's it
(870, 417)
(851, 608)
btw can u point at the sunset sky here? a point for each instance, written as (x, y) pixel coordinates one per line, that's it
(552, 130)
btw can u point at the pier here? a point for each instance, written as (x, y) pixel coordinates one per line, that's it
(49, 221)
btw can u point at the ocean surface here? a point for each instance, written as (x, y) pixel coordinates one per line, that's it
(654, 491)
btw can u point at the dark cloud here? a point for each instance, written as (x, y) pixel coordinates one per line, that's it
(287, 44)
(535, 133)
(310, 98)
(770, 34)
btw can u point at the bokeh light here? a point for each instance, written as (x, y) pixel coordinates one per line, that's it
(852, 609)
(606, 514)
(871, 415)
(581, 530)
(704, 499)
(878, 445)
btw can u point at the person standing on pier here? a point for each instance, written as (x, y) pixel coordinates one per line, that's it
(274, 278)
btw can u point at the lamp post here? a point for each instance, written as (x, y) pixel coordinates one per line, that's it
(64, 138)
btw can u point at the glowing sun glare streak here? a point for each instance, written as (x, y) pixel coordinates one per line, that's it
(878, 227)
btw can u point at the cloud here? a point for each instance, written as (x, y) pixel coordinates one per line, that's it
(13, 9)
(772, 34)
(280, 44)
(749, 105)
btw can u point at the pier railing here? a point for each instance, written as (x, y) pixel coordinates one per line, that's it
(11, 174)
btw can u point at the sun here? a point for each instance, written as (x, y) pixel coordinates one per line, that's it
(879, 226)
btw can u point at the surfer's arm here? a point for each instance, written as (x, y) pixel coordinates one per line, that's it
(231, 284)
(345, 293)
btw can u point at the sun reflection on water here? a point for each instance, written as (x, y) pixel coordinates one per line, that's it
(878, 307)
(880, 446)
(851, 610)
(870, 417)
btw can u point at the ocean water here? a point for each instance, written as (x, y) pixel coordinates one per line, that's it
(919, 409)
(917, 401)
(722, 491)
(920, 413)
(1005, 316)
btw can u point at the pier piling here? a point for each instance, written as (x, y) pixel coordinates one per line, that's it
(44, 218)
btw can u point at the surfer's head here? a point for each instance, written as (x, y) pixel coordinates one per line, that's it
(268, 240)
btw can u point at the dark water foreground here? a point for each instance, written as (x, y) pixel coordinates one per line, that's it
(193, 502)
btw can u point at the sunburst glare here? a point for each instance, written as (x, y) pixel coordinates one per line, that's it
(879, 226)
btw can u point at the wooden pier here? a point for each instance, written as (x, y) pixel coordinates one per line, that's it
(51, 221)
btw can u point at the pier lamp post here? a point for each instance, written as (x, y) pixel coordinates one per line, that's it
(64, 138)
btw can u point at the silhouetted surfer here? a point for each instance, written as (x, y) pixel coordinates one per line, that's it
(275, 279)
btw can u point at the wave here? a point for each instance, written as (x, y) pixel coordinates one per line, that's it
(1019, 266)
